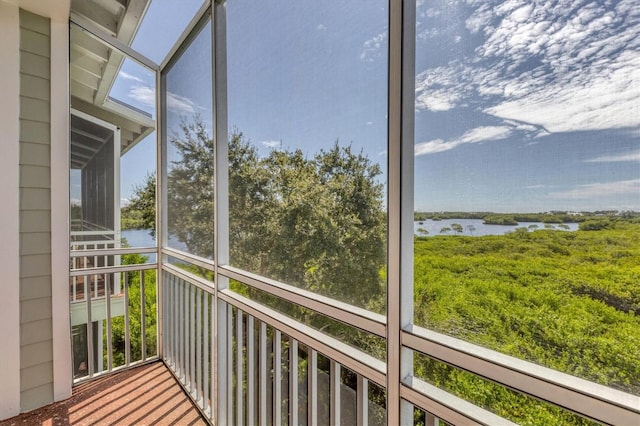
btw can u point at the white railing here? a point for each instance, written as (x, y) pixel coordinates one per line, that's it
(111, 327)
(269, 376)
(267, 366)
(252, 337)
(86, 242)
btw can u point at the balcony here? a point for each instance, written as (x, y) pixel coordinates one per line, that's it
(148, 394)
(334, 263)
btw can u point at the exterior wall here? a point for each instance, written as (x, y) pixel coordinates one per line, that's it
(35, 361)
(9, 236)
(36, 336)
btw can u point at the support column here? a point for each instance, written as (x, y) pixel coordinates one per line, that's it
(9, 211)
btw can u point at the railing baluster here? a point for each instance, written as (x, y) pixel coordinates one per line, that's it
(107, 296)
(229, 351)
(206, 405)
(192, 340)
(334, 406)
(187, 340)
(363, 401)
(239, 369)
(277, 378)
(251, 368)
(263, 374)
(87, 295)
(127, 324)
(293, 381)
(199, 347)
(181, 330)
(312, 375)
(143, 317)
(176, 326)
(95, 282)
(212, 374)
(163, 316)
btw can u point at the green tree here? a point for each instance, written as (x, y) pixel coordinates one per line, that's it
(457, 228)
(141, 211)
(316, 222)
(312, 222)
(190, 188)
(133, 282)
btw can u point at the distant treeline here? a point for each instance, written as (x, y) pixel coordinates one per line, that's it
(491, 218)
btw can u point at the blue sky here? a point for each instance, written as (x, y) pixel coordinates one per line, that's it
(527, 105)
(520, 105)
(163, 23)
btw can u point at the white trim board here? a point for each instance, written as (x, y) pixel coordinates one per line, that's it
(62, 363)
(9, 210)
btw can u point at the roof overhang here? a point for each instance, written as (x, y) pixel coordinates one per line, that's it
(93, 66)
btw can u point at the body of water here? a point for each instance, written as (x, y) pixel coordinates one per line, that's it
(139, 237)
(476, 227)
(470, 227)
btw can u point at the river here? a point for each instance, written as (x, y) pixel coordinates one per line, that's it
(470, 227)
(476, 227)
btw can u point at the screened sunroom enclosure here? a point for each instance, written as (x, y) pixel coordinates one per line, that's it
(285, 286)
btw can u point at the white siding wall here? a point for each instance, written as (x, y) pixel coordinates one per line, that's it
(36, 336)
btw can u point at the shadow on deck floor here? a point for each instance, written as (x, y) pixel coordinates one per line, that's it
(145, 395)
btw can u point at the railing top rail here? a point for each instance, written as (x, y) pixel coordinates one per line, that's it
(340, 311)
(597, 401)
(112, 251)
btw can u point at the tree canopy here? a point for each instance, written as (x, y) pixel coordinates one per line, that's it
(315, 222)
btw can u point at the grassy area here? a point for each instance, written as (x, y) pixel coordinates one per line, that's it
(566, 300)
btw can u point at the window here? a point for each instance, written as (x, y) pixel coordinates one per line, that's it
(307, 145)
(527, 186)
(189, 147)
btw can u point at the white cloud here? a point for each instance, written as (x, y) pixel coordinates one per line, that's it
(374, 48)
(479, 134)
(627, 157)
(552, 64)
(321, 27)
(147, 96)
(597, 190)
(433, 146)
(143, 94)
(438, 100)
(271, 144)
(128, 76)
(180, 104)
(485, 133)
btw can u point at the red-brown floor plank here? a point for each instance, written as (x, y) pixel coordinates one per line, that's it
(145, 395)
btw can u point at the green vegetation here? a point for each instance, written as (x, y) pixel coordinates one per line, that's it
(140, 213)
(317, 223)
(132, 280)
(499, 219)
(569, 301)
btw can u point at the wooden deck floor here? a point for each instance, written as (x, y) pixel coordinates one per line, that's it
(146, 395)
